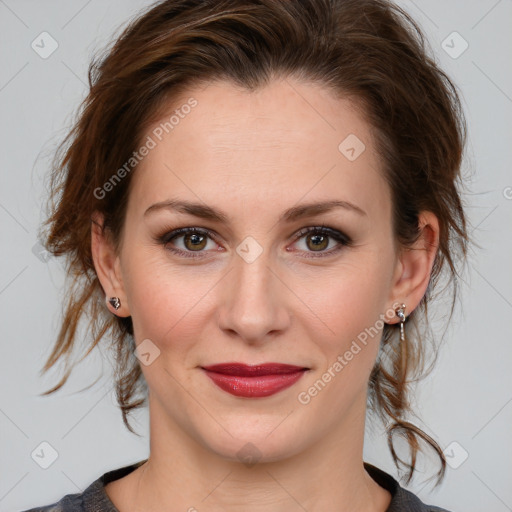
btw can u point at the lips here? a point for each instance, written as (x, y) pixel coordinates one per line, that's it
(256, 380)
(244, 370)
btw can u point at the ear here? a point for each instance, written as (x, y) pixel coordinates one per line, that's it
(414, 266)
(107, 265)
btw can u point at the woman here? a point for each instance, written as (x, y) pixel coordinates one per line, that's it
(257, 202)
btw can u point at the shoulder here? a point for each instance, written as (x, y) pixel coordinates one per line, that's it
(92, 499)
(409, 502)
(402, 500)
(69, 503)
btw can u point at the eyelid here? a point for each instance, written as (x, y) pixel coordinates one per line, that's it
(341, 239)
(324, 230)
(175, 232)
(171, 234)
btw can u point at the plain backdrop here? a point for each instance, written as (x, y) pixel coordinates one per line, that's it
(465, 404)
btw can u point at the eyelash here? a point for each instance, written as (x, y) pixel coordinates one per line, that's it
(341, 238)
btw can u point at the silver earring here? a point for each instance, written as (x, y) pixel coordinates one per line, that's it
(400, 312)
(115, 302)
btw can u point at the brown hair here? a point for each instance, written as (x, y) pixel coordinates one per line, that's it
(370, 50)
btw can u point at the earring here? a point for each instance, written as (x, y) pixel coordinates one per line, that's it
(400, 312)
(115, 302)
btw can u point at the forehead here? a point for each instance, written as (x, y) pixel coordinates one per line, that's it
(279, 143)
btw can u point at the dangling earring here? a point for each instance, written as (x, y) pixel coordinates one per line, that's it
(400, 312)
(115, 302)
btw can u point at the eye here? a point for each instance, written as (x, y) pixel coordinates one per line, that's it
(187, 241)
(319, 238)
(192, 242)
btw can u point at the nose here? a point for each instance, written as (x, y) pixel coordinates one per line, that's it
(254, 304)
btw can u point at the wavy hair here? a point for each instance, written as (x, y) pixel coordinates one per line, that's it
(368, 50)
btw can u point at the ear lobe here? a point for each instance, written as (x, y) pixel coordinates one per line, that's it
(416, 263)
(106, 264)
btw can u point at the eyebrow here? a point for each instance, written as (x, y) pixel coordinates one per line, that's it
(204, 211)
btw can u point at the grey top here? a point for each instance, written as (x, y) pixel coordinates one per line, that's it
(95, 499)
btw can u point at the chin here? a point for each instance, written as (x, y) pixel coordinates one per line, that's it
(253, 445)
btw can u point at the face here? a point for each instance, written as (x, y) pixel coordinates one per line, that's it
(256, 277)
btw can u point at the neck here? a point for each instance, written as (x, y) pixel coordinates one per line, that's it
(328, 475)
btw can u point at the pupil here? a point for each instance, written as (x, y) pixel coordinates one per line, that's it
(195, 239)
(318, 241)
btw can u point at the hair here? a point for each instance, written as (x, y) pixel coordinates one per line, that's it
(371, 51)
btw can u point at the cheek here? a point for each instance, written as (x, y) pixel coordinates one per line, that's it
(166, 304)
(352, 324)
(348, 299)
(348, 323)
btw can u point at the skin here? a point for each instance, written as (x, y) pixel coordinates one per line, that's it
(253, 155)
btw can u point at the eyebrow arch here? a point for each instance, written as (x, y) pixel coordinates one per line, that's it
(297, 212)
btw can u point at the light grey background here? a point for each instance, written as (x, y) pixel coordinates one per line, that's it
(467, 399)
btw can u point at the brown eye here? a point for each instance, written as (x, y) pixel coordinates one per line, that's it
(317, 242)
(194, 241)
(189, 242)
(321, 241)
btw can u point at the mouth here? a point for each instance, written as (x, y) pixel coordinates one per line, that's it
(254, 381)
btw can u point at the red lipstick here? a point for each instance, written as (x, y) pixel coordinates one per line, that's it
(254, 381)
